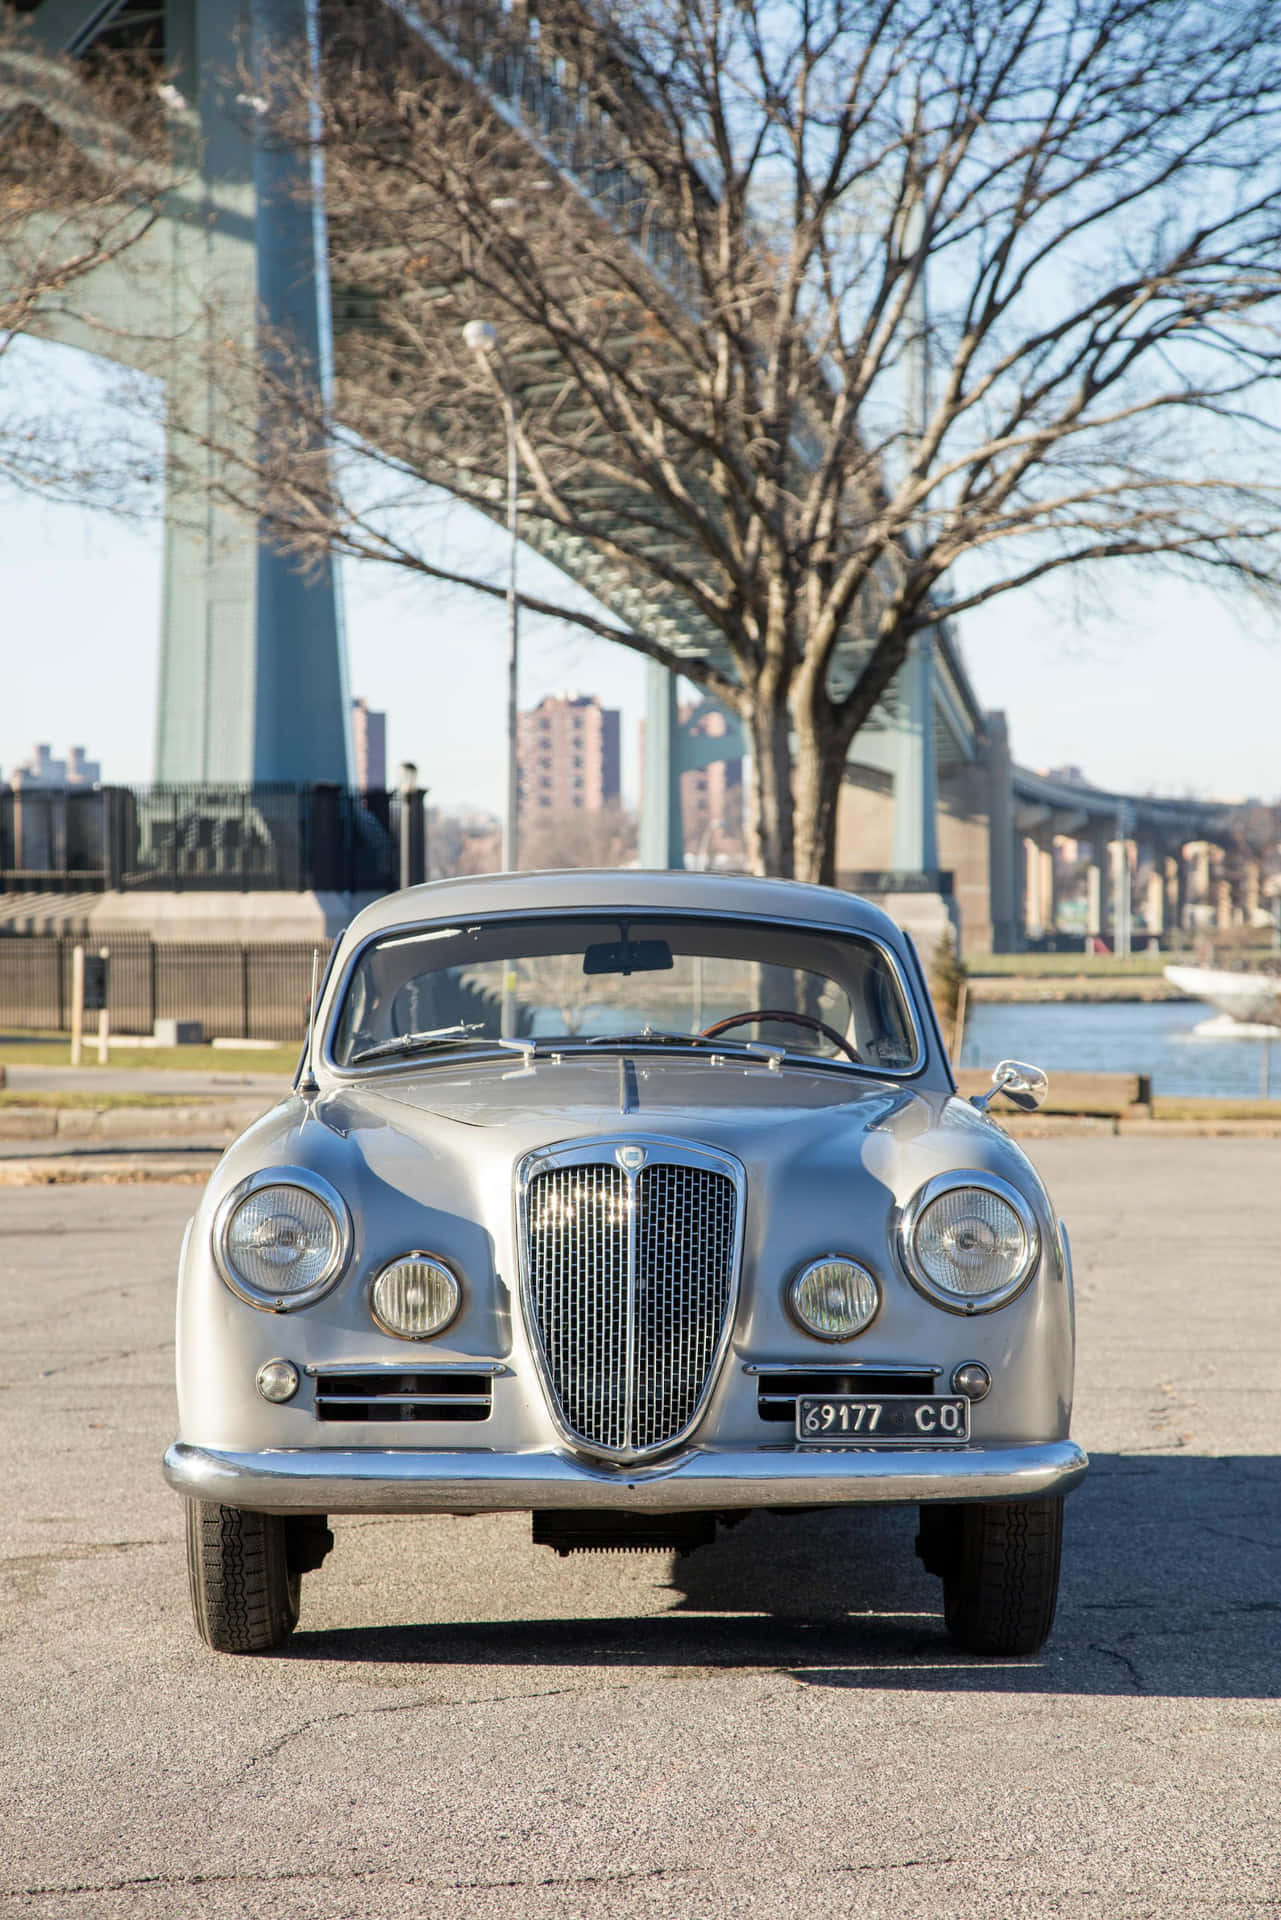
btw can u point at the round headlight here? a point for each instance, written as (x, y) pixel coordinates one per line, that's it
(834, 1298)
(969, 1247)
(415, 1297)
(281, 1239)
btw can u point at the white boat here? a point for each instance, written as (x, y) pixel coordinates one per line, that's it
(1252, 999)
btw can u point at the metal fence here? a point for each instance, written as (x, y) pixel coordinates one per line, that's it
(256, 992)
(221, 838)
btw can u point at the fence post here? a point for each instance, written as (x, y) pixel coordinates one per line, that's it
(77, 1004)
(244, 993)
(152, 996)
(323, 868)
(104, 1016)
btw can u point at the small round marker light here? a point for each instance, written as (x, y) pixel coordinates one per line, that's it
(972, 1379)
(277, 1381)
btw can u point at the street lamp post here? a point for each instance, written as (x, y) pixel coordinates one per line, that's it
(482, 337)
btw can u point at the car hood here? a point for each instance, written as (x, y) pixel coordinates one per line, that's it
(607, 1091)
(773, 1119)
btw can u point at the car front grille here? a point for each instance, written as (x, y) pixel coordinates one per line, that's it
(394, 1393)
(630, 1273)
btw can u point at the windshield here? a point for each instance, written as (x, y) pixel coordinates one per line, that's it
(646, 978)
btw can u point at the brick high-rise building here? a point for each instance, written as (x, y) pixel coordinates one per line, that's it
(568, 756)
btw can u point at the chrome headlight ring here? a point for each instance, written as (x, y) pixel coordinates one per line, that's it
(317, 1190)
(954, 1300)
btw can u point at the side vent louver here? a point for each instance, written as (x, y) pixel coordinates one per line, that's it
(393, 1393)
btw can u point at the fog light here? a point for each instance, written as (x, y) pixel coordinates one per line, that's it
(415, 1297)
(834, 1298)
(277, 1381)
(972, 1379)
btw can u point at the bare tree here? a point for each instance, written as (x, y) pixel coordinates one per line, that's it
(85, 166)
(819, 320)
(575, 837)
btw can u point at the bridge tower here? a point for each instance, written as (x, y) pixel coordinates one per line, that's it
(252, 675)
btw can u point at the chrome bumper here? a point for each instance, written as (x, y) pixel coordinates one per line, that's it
(472, 1480)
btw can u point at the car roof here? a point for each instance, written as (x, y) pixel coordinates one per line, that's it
(622, 890)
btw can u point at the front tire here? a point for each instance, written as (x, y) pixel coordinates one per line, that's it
(999, 1562)
(244, 1593)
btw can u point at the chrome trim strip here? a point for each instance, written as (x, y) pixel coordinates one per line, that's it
(337, 992)
(375, 1368)
(960, 1303)
(319, 1189)
(841, 1366)
(661, 1150)
(477, 1480)
(406, 1399)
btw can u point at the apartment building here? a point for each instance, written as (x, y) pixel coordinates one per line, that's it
(568, 756)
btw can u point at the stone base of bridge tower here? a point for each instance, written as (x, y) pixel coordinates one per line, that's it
(957, 899)
(244, 919)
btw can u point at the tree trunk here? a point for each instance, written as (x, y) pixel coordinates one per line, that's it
(817, 779)
(769, 814)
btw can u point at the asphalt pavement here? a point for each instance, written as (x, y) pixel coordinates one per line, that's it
(774, 1726)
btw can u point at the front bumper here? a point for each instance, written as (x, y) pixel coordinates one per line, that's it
(474, 1480)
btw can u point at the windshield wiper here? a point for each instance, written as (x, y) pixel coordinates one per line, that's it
(662, 1036)
(648, 1036)
(411, 1042)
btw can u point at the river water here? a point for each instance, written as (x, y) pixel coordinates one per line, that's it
(1159, 1039)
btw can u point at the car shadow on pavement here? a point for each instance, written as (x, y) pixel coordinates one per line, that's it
(1171, 1587)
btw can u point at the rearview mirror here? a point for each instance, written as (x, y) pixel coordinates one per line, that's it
(1024, 1086)
(628, 956)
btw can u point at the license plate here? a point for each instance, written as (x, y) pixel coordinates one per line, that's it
(847, 1419)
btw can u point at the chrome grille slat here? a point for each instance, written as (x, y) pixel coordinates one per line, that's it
(629, 1281)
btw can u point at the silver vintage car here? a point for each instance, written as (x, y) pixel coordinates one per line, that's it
(633, 1201)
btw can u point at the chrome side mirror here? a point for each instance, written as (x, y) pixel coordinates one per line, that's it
(1024, 1086)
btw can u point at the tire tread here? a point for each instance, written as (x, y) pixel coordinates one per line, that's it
(1001, 1589)
(244, 1599)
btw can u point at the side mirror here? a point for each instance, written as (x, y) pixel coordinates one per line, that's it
(1024, 1086)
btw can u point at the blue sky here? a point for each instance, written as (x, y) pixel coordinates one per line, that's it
(1162, 687)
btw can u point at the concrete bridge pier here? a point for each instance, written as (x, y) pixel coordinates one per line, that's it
(662, 831)
(1154, 899)
(1172, 873)
(1093, 900)
(252, 677)
(1004, 890)
(252, 682)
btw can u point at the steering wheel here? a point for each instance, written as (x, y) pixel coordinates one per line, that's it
(777, 1013)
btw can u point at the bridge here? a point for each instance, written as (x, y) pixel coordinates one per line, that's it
(252, 678)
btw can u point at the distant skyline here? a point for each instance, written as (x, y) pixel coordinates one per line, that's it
(1171, 688)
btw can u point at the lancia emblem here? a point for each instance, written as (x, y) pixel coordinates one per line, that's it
(630, 1158)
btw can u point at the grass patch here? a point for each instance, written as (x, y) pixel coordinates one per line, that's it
(1092, 965)
(51, 1050)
